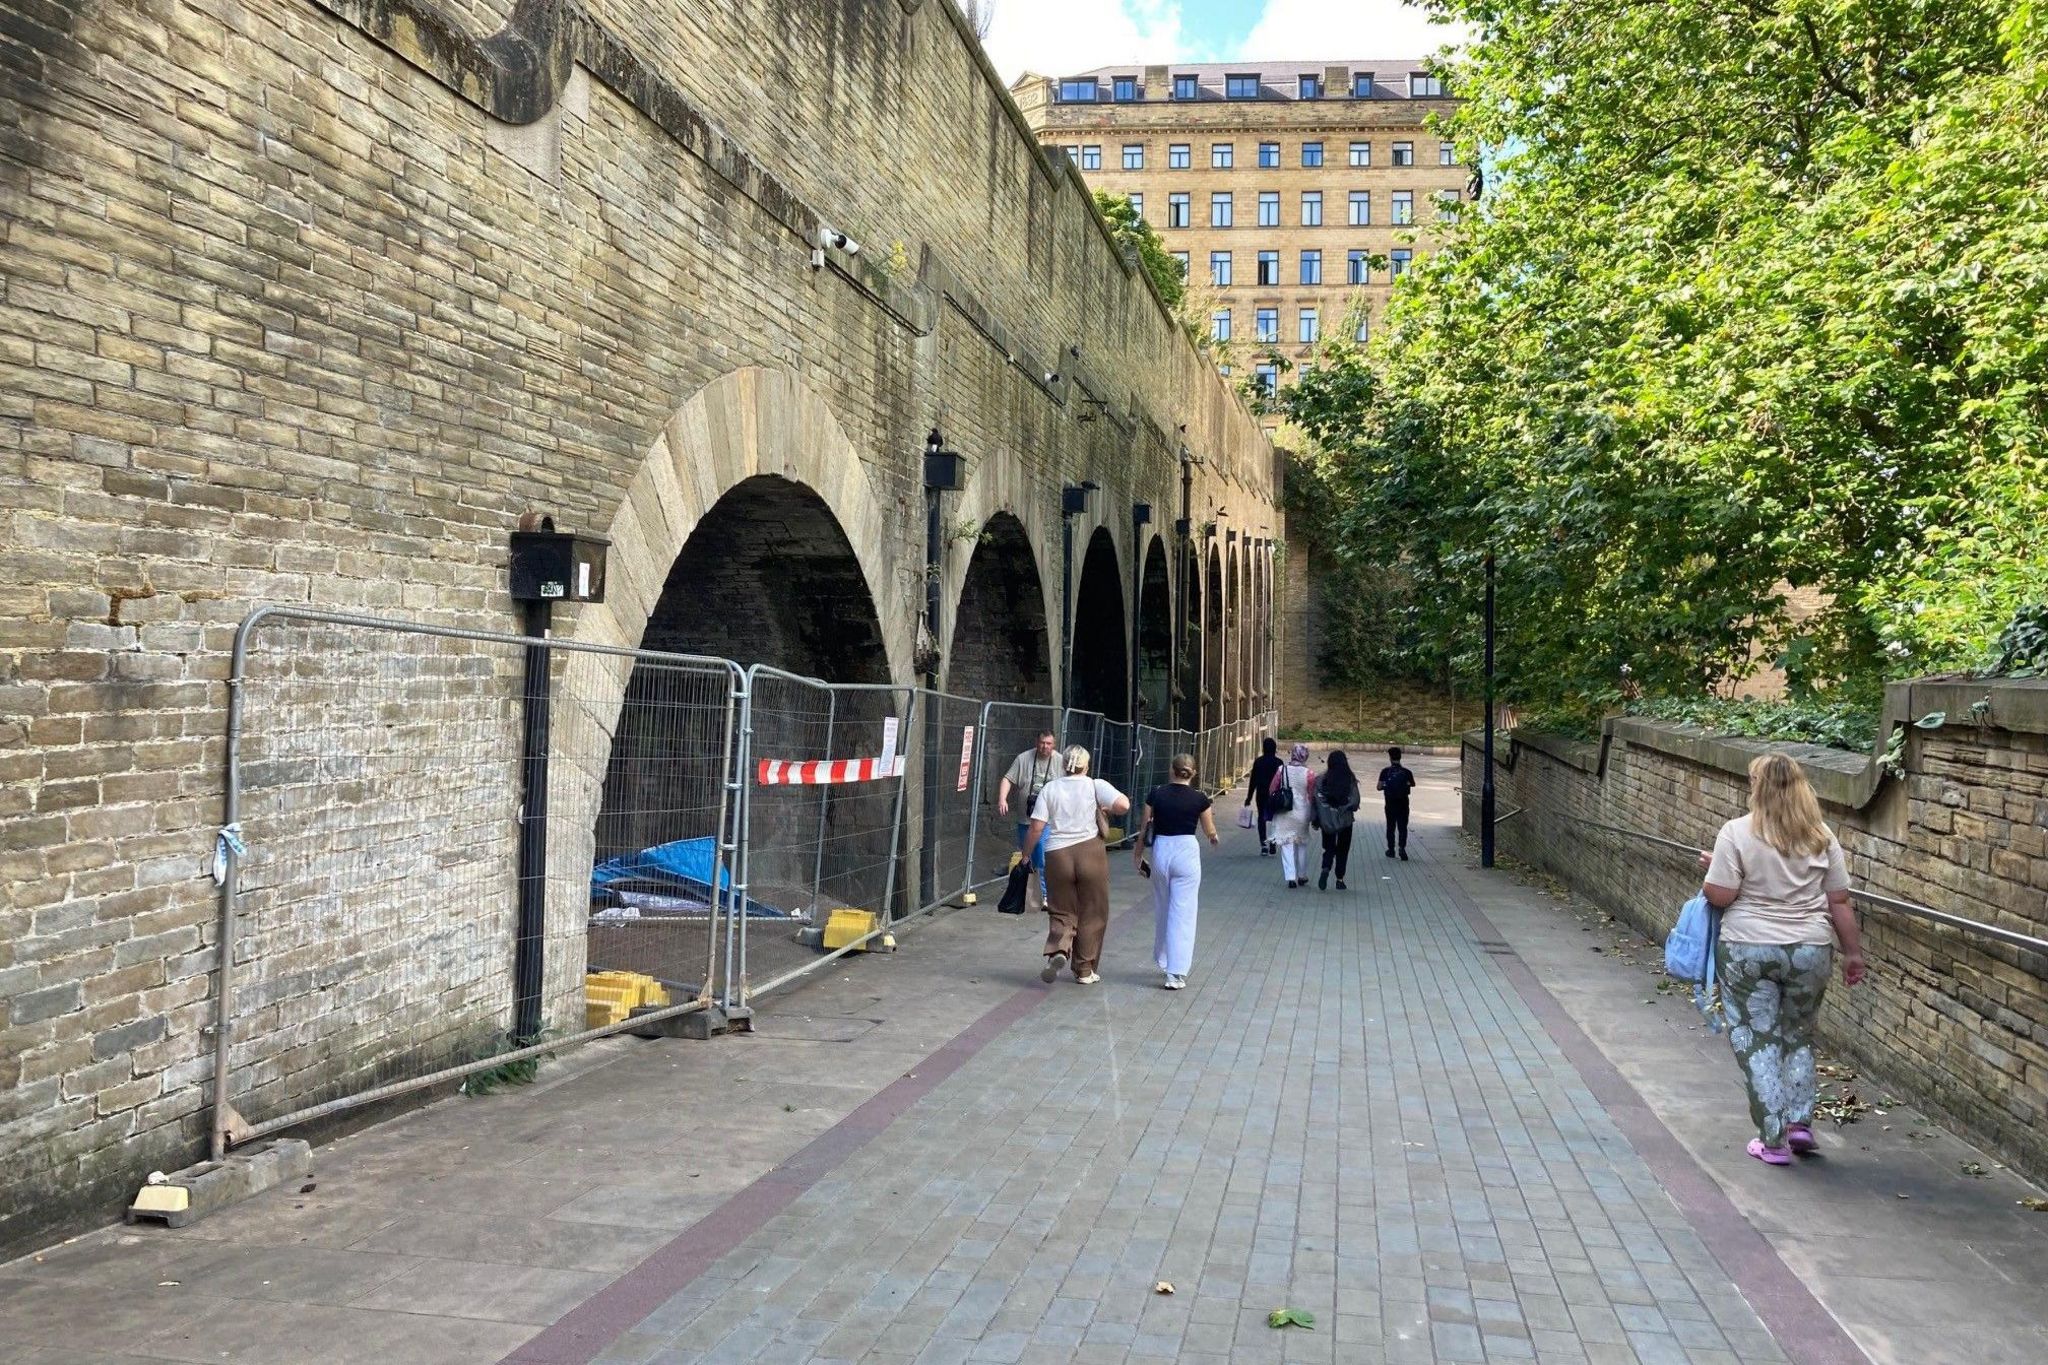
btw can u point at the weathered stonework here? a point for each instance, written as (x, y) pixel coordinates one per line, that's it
(306, 303)
(1958, 1021)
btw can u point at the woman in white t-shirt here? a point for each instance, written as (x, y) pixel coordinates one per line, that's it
(1778, 877)
(1076, 866)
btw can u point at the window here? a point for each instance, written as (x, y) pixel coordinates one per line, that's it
(1357, 267)
(1124, 89)
(1311, 267)
(1269, 155)
(1177, 210)
(1363, 329)
(1221, 211)
(1073, 152)
(1422, 86)
(1184, 88)
(1446, 154)
(1221, 155)
(1361, 85)
(1078, 92)
(1404, 207)
(1311, 208)
(1269, 324)
(1091, 157)
(1266, 379)
(1134, 156)
(1447, 204)
(1311, 153)
(1269, 267)
(1241, 87)
(1310, 87)
(1177, 156)
(1361, 154)
(1397, 263)
(1219, 269)
(1404, 154)
(1310, 327)
(1269, 208)
(1180, 258)
(1358, 211)
(1138, 207)
(1223, 370)
(1219, 325)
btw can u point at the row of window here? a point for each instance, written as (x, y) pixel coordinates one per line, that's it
(1223, 155)
(1357, 267)
(1266, 322)
(1357, 208)
(1244, 85)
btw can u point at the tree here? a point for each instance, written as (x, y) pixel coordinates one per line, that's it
(1753, 302)
(1137, 237)
(980, 16)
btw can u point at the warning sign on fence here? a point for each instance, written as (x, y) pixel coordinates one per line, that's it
(966, 756)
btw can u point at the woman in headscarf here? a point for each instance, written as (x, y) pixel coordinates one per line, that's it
(1289, 827)
(1076, 866)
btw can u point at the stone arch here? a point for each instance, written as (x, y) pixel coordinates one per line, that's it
(1155, 637)
(1191, 641)
(1001, 650)
(1101, 642)
(1214, 643)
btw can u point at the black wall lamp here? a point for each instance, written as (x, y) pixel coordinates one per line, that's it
(1077, 497)
(945, 471)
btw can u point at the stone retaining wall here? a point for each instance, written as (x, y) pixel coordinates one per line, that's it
(1957, 1021)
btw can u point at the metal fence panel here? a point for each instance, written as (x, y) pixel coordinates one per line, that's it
(951, 728)
(1008, 729)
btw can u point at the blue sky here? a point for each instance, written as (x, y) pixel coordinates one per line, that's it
(1053, 36)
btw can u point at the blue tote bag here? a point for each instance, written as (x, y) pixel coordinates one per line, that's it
(1689, 955)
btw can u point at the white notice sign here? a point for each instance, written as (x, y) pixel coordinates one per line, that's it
(888, 742)
(966, 756)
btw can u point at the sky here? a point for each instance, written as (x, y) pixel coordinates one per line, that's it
(1056, 36)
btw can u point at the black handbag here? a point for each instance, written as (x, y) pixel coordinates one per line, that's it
(1019, 889)
(1280, 799)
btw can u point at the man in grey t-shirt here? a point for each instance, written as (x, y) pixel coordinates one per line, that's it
(1028, 774)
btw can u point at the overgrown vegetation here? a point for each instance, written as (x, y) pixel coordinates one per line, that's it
(1753, 304)
(1137, 237)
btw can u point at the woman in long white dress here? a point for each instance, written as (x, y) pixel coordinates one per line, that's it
(1289, 828)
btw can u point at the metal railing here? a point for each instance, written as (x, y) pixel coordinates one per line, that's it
(1908, 908)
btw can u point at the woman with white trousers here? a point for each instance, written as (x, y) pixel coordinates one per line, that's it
(1173, 811)
(1289, 828)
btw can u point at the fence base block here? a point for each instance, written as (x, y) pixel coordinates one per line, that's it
(710, 1022)
(193, 1193)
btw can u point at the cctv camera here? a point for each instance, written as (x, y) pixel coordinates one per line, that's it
(1052, 377)
(830, 238)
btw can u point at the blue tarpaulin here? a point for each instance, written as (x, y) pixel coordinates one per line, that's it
(680, 868)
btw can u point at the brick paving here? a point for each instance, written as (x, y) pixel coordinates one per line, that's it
(1347, 1112)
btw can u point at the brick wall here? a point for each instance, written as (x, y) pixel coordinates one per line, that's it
(1958, 1022)
(295, 314)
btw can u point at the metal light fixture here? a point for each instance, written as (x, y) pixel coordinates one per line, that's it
(945, 471)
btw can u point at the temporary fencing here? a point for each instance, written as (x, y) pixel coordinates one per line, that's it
(446, 851)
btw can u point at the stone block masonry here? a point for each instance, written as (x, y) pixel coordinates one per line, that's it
(305, 301)
(1959, 1022)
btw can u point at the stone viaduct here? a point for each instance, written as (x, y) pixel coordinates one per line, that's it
(307, 301)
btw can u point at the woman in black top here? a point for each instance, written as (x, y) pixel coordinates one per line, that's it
(1336, 807)
(1173, 811)
(1263, 768)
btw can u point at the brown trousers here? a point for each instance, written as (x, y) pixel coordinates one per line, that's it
(1077, 901)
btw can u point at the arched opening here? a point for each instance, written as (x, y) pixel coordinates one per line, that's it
(1190, 685)
(1101, 670)
(1155, 639)
(1214, 646)
(999, 650)
(1234, 704)
(767, 576)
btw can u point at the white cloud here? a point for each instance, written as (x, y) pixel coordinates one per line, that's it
(1308, 30)
(1052, 37)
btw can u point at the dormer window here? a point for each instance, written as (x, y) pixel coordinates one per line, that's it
(1310, 88)
(1078, 91)
(1422, 86)
(1361, 85)
(1124, 89)
(1186, 88)
(1242, 87)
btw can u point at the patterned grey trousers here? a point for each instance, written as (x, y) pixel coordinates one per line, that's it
(1772, 995)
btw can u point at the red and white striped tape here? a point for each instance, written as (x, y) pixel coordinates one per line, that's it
(775, 772)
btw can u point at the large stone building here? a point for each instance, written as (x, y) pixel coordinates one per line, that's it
(1294, 192)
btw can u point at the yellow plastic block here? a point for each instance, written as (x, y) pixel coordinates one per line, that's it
(846, 926)
(161, 1199)
(632, 989)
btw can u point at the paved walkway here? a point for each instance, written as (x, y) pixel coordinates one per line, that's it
(1420, 1111)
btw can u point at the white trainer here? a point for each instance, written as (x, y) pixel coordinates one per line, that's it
(1055, 963)
(1174, 983)
(1089, 979)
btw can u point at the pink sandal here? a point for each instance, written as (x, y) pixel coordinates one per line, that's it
(1800, 1138)
(1770, 1156)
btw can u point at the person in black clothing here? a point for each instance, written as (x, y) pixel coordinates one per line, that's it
(1396, 781)
(1169, 853)
(1336, 806)
(1263, 768)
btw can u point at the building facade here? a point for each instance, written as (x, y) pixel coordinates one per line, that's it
(1295, 193)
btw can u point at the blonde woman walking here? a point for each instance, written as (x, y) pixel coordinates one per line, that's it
(1173, 811)
(1778, 877)
(1076, 866)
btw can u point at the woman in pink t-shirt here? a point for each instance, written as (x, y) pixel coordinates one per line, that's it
(1778, 877)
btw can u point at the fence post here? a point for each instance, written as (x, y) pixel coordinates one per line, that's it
(530, 944)
(888, 906)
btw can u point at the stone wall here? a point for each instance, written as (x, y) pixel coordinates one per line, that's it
(1957, 1021)
(307, 302)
